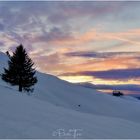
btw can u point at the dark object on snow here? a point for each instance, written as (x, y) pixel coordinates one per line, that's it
(20, 71)
(79, 105)
(117, 93)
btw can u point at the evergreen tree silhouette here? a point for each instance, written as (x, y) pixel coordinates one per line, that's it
(20, 71)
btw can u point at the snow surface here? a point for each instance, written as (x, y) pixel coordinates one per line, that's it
(54, 108)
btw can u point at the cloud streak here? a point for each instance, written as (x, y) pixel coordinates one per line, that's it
(116, 74)
(89, 54)
(126, 87)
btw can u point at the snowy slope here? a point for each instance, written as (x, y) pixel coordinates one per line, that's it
(54, 105)
(62, 93)
(22, 116)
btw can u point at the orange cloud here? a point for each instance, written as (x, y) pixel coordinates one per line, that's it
(94, 35)
(58, 63)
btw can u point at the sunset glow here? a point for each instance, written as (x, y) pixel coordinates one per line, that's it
(76, 41)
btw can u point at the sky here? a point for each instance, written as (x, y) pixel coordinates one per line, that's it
(95, 42)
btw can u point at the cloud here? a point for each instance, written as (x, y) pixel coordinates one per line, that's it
(129, 87)
(63, 11)
(116, 74)
(94, 35)
(45, 21)
(55, 34)
(90, 54)
(51, 62)
(2, 44)
(98, 61)
(45, 28)
(126, 88)
(1, 27)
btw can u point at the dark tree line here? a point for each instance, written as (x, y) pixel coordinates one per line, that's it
(20, 71)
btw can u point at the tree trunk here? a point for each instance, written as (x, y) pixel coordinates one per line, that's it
(20, 88)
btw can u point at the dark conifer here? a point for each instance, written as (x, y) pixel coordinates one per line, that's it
(20, 70)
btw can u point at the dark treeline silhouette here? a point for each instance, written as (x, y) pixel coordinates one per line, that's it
(20, 70)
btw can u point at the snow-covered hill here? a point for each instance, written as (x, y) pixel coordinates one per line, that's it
(53, 111)
(67, 95)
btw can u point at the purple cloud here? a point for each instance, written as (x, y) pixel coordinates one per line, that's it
(1, 27)
(130, 87)
(63, 11)
(2, 44)
(90, 54)
(116, 74)
(54, 34)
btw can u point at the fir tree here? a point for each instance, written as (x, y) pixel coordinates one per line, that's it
(20, 71)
